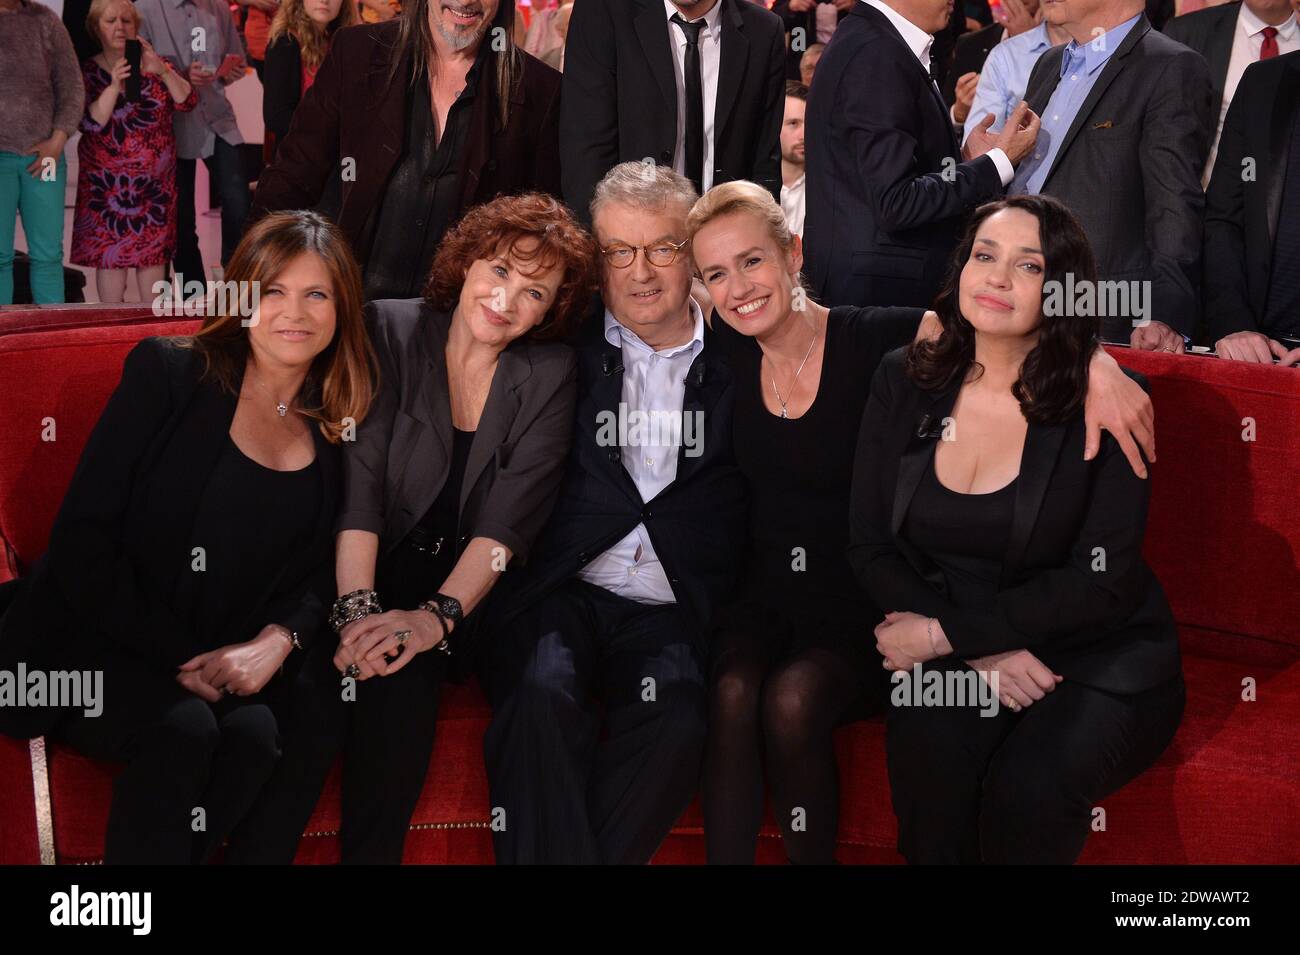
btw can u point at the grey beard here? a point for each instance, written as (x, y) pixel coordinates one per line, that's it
(460, 39)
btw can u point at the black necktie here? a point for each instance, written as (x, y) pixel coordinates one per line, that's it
(694, 101)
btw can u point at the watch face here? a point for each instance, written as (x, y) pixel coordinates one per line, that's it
(450, 607)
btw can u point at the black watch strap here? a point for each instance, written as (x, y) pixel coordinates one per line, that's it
(449, 607)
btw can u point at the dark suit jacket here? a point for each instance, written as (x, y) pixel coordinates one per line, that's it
(282, 88)
(969, 56)
(1241, 216)
(887, 192)
(121, 540)
(401, 457)
(1130, 168)
(1111, 629)
(620, 98)
(1209, 32)
(697, 523)
(352, 111)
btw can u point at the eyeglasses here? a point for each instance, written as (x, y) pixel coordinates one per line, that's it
(661, 255)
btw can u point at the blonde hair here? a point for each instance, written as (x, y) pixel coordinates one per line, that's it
(740, 195)
(96, 11)
(292, 19)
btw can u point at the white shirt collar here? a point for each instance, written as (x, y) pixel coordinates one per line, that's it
(1252, 24)
(616, 333)
(711, 19)
(917, 40)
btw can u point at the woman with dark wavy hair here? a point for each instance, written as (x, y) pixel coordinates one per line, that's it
(1004, 556)
(448, 482)
(190, 560)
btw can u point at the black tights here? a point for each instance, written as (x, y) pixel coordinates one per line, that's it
(777, 712)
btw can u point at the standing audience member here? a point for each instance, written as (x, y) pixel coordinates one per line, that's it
(808, 62)
(792, 156)
(1001, 84)
(258, 15)
(126, 180)
(418, 118)
(209, 131)
(1252, 220)
(1127, 119)
(299, 39)
(887, 188)
(695, 85)
(41, 98)
(1232, 36)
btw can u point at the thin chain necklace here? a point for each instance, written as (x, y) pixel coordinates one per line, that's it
(793, 381)
(281, 408)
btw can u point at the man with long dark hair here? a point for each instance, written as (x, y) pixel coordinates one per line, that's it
(420, 117)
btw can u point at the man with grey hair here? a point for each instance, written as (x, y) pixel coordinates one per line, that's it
(639, 553)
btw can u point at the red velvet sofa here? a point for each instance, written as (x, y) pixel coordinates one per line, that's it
(1223, 537)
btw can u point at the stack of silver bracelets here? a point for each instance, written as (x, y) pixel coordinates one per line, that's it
(352, 607)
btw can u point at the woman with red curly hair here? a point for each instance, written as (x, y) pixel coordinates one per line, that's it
(449, 479)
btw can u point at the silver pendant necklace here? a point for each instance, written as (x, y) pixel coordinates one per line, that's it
(281, 408)
(793, 381)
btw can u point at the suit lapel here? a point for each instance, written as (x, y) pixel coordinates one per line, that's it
(1108, 73)
(872, 14)
(1218, 51)
(731, 70)
(918, 451)
(706, 381)
(1037, 462)
(499, 412)
(651, 26)
(1279, 146)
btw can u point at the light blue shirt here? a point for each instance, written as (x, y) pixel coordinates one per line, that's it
(1005, 77)
(654, 382)
(1080, 67)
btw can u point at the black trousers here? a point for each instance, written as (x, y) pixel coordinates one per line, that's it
(232, 188)
(1021, 787)
(385, 733)
(193, 768)
(570, 794)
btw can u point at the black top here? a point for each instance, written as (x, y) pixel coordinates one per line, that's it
(800, 470)
(250, 521)
(965, 535)
(422, 197)
(417, 569)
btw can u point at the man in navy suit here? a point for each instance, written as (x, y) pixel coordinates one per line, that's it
(888, 187)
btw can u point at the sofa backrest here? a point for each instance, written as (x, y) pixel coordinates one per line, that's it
(1223, 534)
(57, 370)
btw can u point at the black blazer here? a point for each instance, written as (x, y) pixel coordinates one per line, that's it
(352, 111)
(121, 540)
(1108, 629)
(1209, 32)
(969, 56)
(1130, 167)
(1241, 216)
(888, 193)
(697, 523)
(401, 457)
(620, 98)
(282, 88)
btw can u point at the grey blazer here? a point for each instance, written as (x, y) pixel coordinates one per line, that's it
(397, 465)
(1129, 168)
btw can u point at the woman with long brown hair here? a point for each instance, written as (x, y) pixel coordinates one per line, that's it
(299, 39)
(190, 559)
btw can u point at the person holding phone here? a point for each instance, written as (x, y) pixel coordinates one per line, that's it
(209, 131)
(125, 215)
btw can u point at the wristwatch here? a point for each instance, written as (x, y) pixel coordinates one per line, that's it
(448, 607)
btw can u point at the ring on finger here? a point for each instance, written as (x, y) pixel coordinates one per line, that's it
(401, 636)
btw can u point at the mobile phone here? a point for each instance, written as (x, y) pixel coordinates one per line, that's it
(133, 52)
(227, 65)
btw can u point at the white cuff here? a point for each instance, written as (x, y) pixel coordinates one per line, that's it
(1006, 172)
